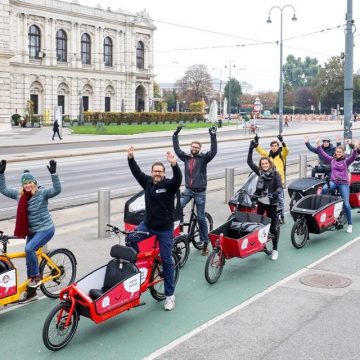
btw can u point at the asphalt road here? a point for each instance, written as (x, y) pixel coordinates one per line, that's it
(83, 176)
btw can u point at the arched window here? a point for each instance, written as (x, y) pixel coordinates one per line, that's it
(108, 52)
(140, 55)
(34, 42)
(85, 49)
(61, 46)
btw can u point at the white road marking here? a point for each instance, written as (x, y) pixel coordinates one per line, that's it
(213, 321)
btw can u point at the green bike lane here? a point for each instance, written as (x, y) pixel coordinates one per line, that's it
(139, 332)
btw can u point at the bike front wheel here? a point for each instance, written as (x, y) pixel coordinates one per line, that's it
(194, 234)
(66, 262)
(157, 290)
(56, 333)
(299, 233)
(182, 249)
(214, 266)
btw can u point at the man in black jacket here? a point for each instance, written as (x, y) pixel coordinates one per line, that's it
(159, 213)
(195, 165)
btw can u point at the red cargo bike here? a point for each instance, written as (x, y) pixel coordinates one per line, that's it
(109, 290)
(316, 214)
(241, 236)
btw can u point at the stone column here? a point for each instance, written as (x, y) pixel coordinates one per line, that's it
(5, 55)
(26, 40)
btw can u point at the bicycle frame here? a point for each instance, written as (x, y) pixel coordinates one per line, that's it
(193, 217)
(22, 287)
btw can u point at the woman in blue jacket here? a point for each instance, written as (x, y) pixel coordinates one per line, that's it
(33, 219)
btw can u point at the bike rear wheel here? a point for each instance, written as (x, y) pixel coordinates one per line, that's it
(194, 235)
(182, 249)
(157, 291)
(66, 262)
(299, 233)
(56, 335)
(214, 266)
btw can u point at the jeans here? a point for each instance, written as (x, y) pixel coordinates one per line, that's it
(200, 200)
(344, 190)
(281, 203)
(33, 243)
(166, 239)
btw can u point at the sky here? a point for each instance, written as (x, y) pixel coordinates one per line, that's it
(235, 32)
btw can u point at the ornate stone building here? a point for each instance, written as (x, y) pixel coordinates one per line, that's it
(59, 53)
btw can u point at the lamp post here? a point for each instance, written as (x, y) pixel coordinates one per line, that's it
(229, 105)
(281, 90)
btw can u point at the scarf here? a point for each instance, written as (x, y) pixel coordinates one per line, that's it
(273, 154)
(22, 222)
(267, 175)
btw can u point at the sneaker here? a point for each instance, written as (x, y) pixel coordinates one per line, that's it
(349, 229)
(169, 303)
(34, 282)
(274, 255)
(282, 220)
(27, 296)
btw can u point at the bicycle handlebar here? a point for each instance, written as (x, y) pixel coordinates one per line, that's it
(117, 230)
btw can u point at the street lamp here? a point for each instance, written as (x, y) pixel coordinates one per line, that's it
(229, 105)
(281, 90)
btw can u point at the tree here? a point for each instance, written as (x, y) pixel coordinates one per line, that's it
(269, 100)
(156, 90)
(302, 98)
(169, 96)
(196, 83)
(356, 94)
(298, 73)
(329, 84)
(233, 88)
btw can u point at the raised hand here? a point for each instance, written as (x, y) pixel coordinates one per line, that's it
(256, 139)
(280, 137)
(212, 130)
(317, 141)
(171, 158)
(2, 166)
(252, 144)
(306, 139)
(52, 167)
(178, 129)
(130, 151)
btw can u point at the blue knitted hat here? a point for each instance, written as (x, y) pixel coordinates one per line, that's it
(26, 176)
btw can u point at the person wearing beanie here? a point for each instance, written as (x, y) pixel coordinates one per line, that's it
(33, 220)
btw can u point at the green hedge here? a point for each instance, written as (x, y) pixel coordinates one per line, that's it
(142, 117)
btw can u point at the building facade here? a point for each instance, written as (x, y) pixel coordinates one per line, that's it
(57, 53)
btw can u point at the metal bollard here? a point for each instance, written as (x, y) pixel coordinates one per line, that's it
(103, 212)
(229, 184)
(303, 166)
